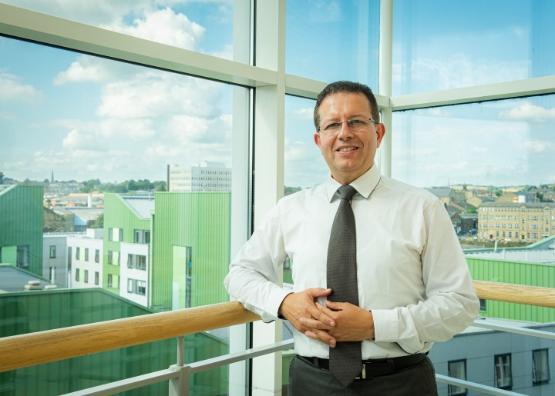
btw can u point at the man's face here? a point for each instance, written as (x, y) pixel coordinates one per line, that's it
(350, 151)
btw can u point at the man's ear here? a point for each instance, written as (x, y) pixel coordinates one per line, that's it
(380, 131)
(317, 138)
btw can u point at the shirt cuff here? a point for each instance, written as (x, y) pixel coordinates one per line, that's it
(269, 312)
(386, 325)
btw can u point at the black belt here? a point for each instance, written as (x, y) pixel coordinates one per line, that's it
(373, 367)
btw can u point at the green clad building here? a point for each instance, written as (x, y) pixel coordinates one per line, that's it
(27, 312)
(21, 223)
(175, 246)
(191, 248)
(514, 268)
(127, 219)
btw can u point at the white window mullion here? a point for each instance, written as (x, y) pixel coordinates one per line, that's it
(268, 165)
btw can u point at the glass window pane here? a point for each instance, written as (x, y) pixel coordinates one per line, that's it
(448, 44)
(304, 166)
(480, 157)
(103, 145)
(205, 27)
(333, 40)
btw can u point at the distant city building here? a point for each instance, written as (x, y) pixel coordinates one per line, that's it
(167, 252)
(82, 217)
(21, 223)
(207, 176)
(516, 222)
(62, 188)
(85, 258)
(127, 237)
(54, 259)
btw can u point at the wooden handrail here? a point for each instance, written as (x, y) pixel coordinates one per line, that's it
(58, 344)
(521, 294)
(47, 346)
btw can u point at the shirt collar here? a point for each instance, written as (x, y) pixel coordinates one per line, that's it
(364, 185)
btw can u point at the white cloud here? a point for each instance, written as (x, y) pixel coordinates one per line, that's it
(159, 94)
(89, 69)
(77, 139)
(529, 112)
(11, 89)
(164, 26)
(538, 146)
(305, 113)
(93, 12)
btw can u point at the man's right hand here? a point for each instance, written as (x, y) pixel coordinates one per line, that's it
(303, 305)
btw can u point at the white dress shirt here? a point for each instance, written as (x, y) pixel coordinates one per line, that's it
(411, 270)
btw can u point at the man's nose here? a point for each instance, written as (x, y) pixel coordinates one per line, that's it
(345, 132)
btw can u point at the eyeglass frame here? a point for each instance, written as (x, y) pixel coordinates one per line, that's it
(349, 121)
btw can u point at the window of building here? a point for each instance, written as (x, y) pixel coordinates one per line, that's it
(77, 274)
(110, 257)
(52, 251)
(86, 276)
(141, 236)
(52, 274)
(136, 261)
(77, 253)
(540, 368)
(96, 278)
(188, 276)
(86, 254)
(456, 369)
(503, 371)
(22, 256)
(135, 286)
(96, 255)
(483, 304)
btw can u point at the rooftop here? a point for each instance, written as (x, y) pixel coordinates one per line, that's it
(143, 206)
(13, 279)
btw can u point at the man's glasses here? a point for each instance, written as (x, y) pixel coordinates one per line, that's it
(354, 124)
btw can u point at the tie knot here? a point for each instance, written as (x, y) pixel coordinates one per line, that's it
(346, 192)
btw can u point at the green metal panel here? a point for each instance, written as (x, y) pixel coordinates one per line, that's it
(21, 223)
(200, 220)
(117, 214)
(522, 273)
(42, 310)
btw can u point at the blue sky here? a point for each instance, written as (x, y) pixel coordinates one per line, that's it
(86, 117)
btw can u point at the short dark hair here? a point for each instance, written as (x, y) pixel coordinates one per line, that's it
(350, 87)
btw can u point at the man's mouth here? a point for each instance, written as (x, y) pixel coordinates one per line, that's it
(345, 149)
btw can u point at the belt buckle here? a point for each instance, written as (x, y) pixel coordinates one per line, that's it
(362, 373)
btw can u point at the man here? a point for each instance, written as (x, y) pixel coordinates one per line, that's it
(378, 275)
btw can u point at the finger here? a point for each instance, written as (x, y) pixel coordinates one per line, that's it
(321, 336)
(335, 306)
(314, 324)
(318, 292)
(317, 313)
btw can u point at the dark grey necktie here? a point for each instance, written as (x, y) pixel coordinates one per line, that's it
(346, 357)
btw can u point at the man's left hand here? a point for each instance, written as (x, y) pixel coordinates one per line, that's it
(352, 323)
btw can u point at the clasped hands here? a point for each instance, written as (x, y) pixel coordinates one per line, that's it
(336, 321)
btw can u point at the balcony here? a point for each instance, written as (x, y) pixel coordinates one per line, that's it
(43, 347)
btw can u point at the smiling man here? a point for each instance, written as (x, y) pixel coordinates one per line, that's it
(378, 273)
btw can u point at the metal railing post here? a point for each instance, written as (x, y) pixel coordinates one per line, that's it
(179, 386)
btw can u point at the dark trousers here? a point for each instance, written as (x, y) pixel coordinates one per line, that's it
(307, 379)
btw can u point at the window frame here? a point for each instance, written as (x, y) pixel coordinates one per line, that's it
(545, 380)
(504, 364)
(453, 390)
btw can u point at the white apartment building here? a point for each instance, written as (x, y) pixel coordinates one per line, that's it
(207, 176)
(54, 259)
(84, 253)
(134, 271)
